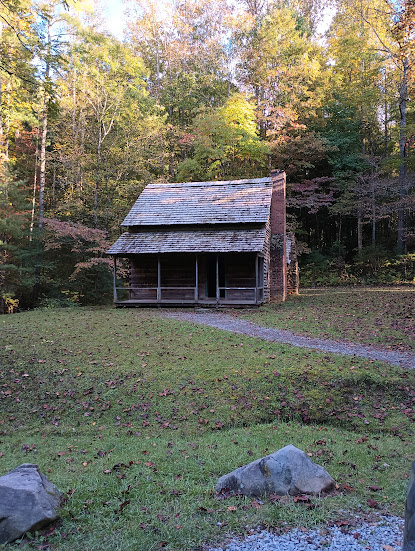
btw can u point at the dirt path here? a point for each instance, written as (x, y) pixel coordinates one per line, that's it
(220, 320)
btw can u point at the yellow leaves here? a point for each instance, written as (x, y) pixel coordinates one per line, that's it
(81, 6)
(238, 111)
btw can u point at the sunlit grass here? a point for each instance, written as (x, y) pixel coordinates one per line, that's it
(135, 417)
(376, 316)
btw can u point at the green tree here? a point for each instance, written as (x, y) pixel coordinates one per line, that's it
(388, 26)
(225, 144)
(17, 253)
(186, 47)
(113, 125)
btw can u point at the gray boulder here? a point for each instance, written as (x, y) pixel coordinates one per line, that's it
(409, 530)
(28, 501)
(286, 471)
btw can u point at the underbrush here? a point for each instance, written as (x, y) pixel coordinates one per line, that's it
(373, 266)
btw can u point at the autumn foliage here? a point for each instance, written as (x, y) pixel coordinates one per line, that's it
(75, 262)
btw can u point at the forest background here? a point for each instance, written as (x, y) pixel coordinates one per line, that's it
(203, 90)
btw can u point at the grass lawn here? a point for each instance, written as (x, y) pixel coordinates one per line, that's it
(135, 417)
(367, 315)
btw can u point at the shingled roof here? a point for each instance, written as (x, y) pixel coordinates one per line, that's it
(202, 241)
(233, 201)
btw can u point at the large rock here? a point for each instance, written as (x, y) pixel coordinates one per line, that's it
(409, 530)
(28, 501)
(286, 471)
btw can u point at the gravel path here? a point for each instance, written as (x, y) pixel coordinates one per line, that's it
(384, 533)
(220, 320)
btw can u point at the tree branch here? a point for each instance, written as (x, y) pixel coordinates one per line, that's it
(16, 32)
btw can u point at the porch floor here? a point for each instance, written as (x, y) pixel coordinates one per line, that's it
(209, 303)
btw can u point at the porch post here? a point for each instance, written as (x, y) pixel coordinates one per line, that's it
(256, 279)
(217, 279)
(197, 278)
(115, 279)
(158, 279)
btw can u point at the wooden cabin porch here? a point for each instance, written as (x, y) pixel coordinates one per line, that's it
(231, 279)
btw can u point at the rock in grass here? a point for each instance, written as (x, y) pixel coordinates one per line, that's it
(28, 502)
(409, 530)
(286, 471)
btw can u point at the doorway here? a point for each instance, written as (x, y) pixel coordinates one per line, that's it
(211, 277)
(215, 266)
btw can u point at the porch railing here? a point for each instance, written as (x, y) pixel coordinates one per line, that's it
(190, 294)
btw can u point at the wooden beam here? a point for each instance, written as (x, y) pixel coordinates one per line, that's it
(261, 276)
(196, 278)
(256, 279)
(115, 279)
(158, 279)
(217, 279)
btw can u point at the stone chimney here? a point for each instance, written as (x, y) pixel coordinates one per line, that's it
(278, 263)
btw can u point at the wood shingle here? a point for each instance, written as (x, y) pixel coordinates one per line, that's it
(189, 241)
(234, 201)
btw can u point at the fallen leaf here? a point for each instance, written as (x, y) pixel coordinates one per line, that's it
(340, 523)
(302, 499)
(124, 504)
(204, 510)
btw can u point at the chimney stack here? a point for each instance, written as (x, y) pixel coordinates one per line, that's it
(278, 261)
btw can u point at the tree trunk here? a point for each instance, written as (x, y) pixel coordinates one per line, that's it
(32, 220)
(373, 211)
(157, 73)
(403, 154)
(3, 148)
(359, 229)
(1, 120)
(42, 163)
(385, 123)
(99, 144)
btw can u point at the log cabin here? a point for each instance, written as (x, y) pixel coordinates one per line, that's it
(207, 244)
